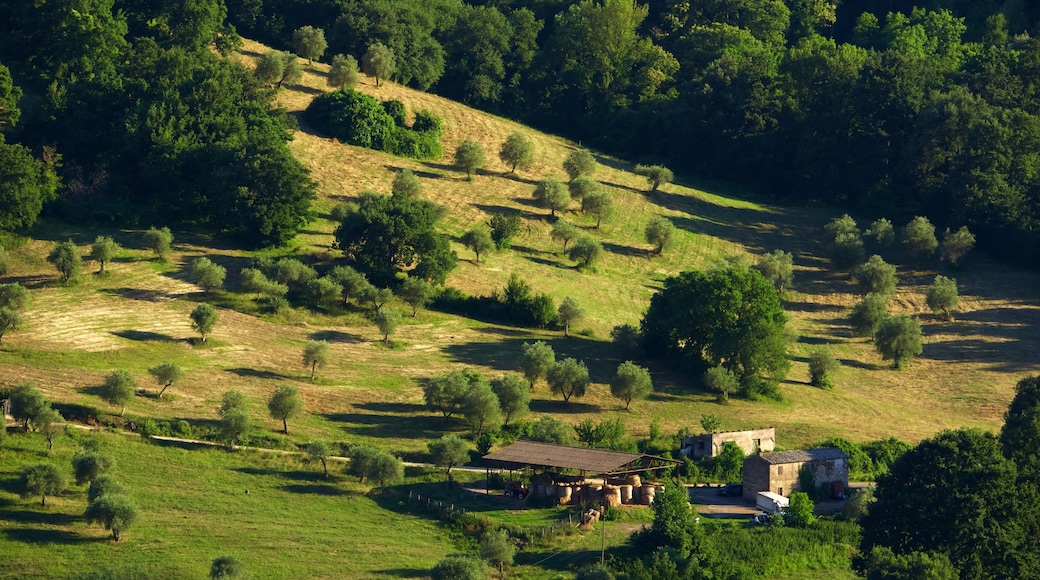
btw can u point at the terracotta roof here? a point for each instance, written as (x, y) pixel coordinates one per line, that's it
(549, 455)
(803, 456)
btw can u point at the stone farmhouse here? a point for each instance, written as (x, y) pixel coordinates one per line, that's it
(709, 445)
(778, 472)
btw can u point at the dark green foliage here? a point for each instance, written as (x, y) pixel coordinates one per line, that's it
(568, 378)
(397, 111)
(359, 119)
(479, 240)
(655, 175)
(884, 452)
(516, 304)
(1021, 431)
(880, 236)
(674, 525)
(876, 276)
(899, 339)
(459, 568)
(728, 465)
(607, 434)
(627, 338)
(497, 548)
(730, 317)
(821, 364)
(800, 512)
(883, 564)
(389, 233)
(514, 396)
(42, 479)
(503, 229)
(517, 152)
(226, 567)
(9, 96)
(955, 245)
(448, 452)
(845, 243)
(954, 494)
(88, 465)
(860, 464)
(114, 512)
(549, 429)
(586, 251)
(66, 258)
(119, 389)
(918, 238)
(552, 195)
(942, 296)
(26, 403)
(26, 183)
(867, 316)
(284, 404)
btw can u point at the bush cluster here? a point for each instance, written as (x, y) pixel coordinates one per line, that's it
(361, 120)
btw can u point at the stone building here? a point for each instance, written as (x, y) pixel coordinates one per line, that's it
(709, 445)
(778, 472)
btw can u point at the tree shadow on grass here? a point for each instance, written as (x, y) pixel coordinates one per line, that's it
(853, 363)
(292, 475)
(540, 406)
(42, 518)
(507, 211)
(625, 250)
(314, 489)
(404, 572)
(138, 294)
(600, 357)
(257, 374)
(379, 407)
(391, 426)
(544, 262)
(145, 336)
(336, 336)
(418, 173)
(37, 536)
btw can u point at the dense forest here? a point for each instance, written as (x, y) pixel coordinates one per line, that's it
(891, 108)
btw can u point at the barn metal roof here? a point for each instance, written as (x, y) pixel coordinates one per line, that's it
(549, 455)
(803, 455)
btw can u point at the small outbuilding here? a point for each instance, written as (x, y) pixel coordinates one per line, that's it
(779, 472)
(710, 444)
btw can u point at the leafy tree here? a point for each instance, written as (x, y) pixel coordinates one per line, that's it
(723, 380)
(631, 381)
(626, 336)
(586, 250)
(226, 567)
(42, 479)
(918, 238)
(606, 434)
(344, 73)
(65, 257)
(469, 157)
(103, 250)
(844, 241)
(568, 378)
(159, 241)
(479, 240)
(119, 389)
(417, 293)
(503, 229)
(26, 184)
(659, 232)
(549, 429)
(26, 402)
(880, 235)
(599, 204)
(581, 186)
(50, 423)
(517, 151)
(207, 275)
(942, 296)
(316, 354)
(1021, 430)
(882, 564)
(655, 175)
(481, 408)
(536, 360)
(578, 163)
(166, 373)
(285, 403)
(730, 317)
(458, 567)
(876, 276)
(552, 195)
(406, 184)
(595, 571)
(447, 394)
(291, 71)
(309, 42)
(89, 465)
(234, 417)
(799, 513)
(10, 94)
(778, 267)
(270, 68)
(954, 494)
(323, 292)
(10, 319)
(14, 296)
(514, 396)
(362, 460)
(380, 298)
(320, 451)
(388, 234)
(674, 525)
(955, 245)
(387, 320)
(821, 365)
(114, 512)
(868, 315)
(5, 260)
(203, 318)
(497, 548)
(899, 339)
(858, 504)
(569, 312)
(565, 232)
(386, 469)
(448, 452)
(378, 61)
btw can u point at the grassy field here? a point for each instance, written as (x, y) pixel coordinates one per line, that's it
(138, 315)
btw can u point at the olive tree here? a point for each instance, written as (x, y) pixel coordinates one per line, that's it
(659, 232)
(26, 402)
(166, 373)
(66, 259)
(89, 465)
(942, 296)
(481, 408)
(387, 320)
(578, 163)
(581, 186)
(918, 238)
(309, 42)
(586, 251)
(270, 68)
(469, 157)
(777, 267)
(536, 360)
(655, 175)
(479, 240)
(42, 479)
(498, 549)
(876, 276)
(568, 378)
(385, 468)
(316, 354)
(821, 365)
(378, 61)
(564, 232)
(406, 184)
(235, 420)
(844, 241)
(899, 339)
(868, 315)
(880, 235)
(114, 512)
(226, 567)
(569, 312)
(159, 241)
(104, 484)
(103, 251)
(552, 195)
(207, 275)
(203, 318)
(955, 245)
(514, 396)
(417, 293)
(119, 389)
(448, 452)
(631, 381)
(344, 72)
(285, 403)
(599, 204)
(10, 319)
(320, 451)
(50, 423)
(722, 380)
(517, 152)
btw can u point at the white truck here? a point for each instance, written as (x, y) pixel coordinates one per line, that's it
(771, 503)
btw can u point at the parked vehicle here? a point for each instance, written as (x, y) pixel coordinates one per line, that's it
(759, 519)
(771, 503)
(731, 490)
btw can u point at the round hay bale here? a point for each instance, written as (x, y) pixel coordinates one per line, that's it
(647, 497)
(626, 494)
(613, 500)
(633, 480)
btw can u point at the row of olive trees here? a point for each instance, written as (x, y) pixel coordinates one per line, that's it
(570, 378)
(67, 258)
(848, 246)
(366, 462)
